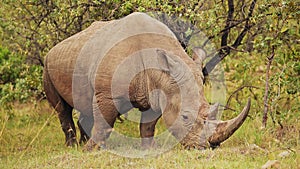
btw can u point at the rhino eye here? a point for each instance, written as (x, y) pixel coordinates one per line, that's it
(184, 117)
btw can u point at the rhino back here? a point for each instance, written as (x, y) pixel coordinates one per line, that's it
(87, 61)
(60, 60)
(129, 49)
(94, 58)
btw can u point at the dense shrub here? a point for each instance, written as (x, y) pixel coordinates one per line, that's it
(18, 81)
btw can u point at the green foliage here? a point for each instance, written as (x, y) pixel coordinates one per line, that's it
(281, 36)
(18, 80)
(285, 92)
(275, 29)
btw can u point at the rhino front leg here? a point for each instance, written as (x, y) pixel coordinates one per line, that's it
(85, 125)
(105, 115)
(147, 128)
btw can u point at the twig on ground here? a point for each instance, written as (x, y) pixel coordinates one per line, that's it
(38, 133)
(4, 125)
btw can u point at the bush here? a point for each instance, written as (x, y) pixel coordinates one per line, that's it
(19, 82)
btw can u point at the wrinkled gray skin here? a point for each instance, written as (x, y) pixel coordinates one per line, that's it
(165, 66)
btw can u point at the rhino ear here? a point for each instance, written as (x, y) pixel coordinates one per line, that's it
(165, 62)
(198, 55)
(169, 64)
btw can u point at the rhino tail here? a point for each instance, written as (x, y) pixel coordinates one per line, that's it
(53, 97)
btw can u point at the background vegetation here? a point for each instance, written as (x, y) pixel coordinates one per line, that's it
(258, 39)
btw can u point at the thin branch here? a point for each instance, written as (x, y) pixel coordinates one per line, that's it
(246, 27)
(266, 107)
(223, 30)
(40, 130)
(236, 91)
(28, 11)
(225, 51)
(227, 108)
(4, 125)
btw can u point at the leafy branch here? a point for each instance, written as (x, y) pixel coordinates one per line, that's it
(225, 48)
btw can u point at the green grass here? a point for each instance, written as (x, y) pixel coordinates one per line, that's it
(31, 137)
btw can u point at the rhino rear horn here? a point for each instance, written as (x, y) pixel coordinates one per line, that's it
(213, 112)
(226, 128)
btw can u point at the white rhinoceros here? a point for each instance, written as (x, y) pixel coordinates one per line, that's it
(112, 67)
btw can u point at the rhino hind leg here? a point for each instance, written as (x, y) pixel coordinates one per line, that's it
(64, 111)
(148, 121)
(66, 120)
(67, 124)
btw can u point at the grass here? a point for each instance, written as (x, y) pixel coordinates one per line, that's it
(31, 137)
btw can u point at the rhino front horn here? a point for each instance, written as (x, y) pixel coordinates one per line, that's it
(225, 129)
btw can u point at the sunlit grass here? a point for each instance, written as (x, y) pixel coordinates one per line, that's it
(23, 146)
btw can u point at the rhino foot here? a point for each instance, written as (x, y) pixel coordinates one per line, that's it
(91, 146)
(71, 138)
(148, 143)
(71, 142)
(83, 139)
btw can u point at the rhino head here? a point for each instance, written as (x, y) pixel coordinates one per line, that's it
(210, 132)
(196, 125)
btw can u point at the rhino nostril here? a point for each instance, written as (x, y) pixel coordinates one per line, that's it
(184, 117)
(214, 145)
